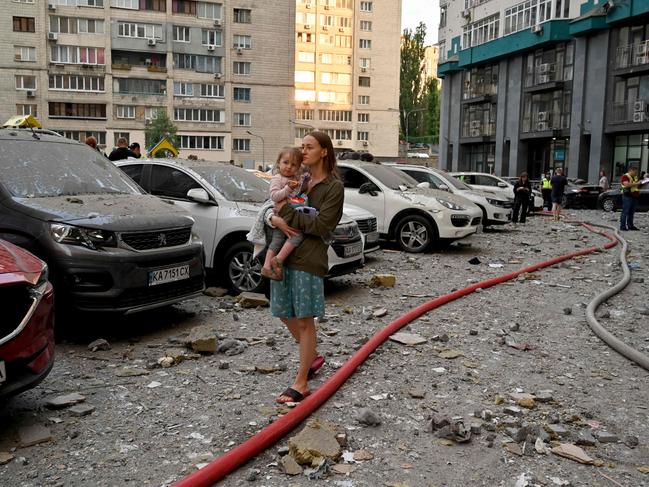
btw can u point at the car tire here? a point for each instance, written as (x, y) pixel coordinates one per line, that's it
(608, 204)
(485, 220)
(242, 272)
(415, 234)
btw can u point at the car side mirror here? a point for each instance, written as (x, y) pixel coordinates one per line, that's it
(501, 184)
(424, 184)
(198, 195)
(443, 187)
(368, 188)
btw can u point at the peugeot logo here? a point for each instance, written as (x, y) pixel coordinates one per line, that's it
(162, 240)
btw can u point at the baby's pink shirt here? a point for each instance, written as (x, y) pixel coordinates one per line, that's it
(279, 188)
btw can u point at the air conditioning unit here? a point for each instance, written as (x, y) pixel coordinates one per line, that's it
(148, 62)
(340, 142)
(325, 27)
(327, 7)
(641, 48)
(308, 5)
(365, 143)
(475, 133)
(544, 68)
(151, 42)
(542, 126)
(544, 78)
(147, 121)
(18, 57)
(51, 6)
(543, 116)
(639, 106)
(640, 59)
(239, 50)
(30, 94)
(537, 29)
(466, 13)
(217, 23)
(218, 75)
(307, 26)
(340, 29)
(52, 36)
(639, 117)
(211, 47)
(475, 124)
(363, 69)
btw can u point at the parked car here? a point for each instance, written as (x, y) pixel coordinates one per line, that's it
(224, 200)
(611, 200)
(496, 209)
(497, 185)
(108, 246)
(579, 194)
(27, 325)
(415, 217)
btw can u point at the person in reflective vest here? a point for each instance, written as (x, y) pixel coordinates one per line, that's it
(546, 190)
(630, 194)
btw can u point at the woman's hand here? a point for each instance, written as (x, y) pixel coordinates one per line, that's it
(279, 222)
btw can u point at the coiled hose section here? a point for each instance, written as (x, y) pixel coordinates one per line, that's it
(230, 461)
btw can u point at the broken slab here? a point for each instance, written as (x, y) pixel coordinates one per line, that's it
(99, 344)
(383, 280)
(33, 435)
(573, 452)
(409, 339)
(60, 402)
(289, 466)
(81, 409)
(202, 339)
(316, 441)
(5, 457)
(252, 300)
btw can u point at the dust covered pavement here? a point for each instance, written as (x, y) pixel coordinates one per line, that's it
(496, 382)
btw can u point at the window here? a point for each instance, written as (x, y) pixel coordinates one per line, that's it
(211, 90)
(526, 14)
(239, 67)
(198, 63)
(479, 120)
(142, 31)
(480, 81)
(343, 41)
(24, 24)
(154, 5)
(326, 58)
(363, 118)
(305, 37)
(364, 81)
(152, 112)
(131, 4)
(72, 82)
(443, 13)
(241, 94)
(306, 57)
(199, 115)
(335, 115)
(548, 110)
(301, 132)
(344, 22)
(366, 25)
(242, 16)
(363, 99)
(365, 62)
(362, 136)
(304, 114)
(343, 60)
(211, 37)
(77, 110)
(139, 86)
(23, 1)
(181, 33)
(77, 55)
(22, 109)
(443, 54)
(183, 89)
(91, 3)
(482, 31)
(304, 76)
(304, 95)
(241, 145)
(25, 82)
(133, 171)
(183, 7)
(336, 78)
(124, 111)
(69, 3)
(74, 25)
(549, 65)
(326, 39)
(202, 142)
(81, 135)
(207, 10)
(170, 182)
(308, 20)
(352, 178)
(242, 120)
(365, 43)
(366, 6)
(24, 53)
(327, 20)
(241, 42)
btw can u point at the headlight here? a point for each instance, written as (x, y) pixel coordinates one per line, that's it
(346, 231)
(39, 288)
(195, 237)
(449, 205)
(88, 237)
(495, 202)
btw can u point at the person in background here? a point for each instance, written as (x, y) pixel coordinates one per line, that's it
(122, 151)
(91, 141)
(559, 182)
(546, 190)
(603, 181)
(630, 194)
(367, 157)
(522, 191)
(135, 148)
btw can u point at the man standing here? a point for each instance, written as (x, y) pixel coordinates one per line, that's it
(122, 151)
(135, 148)
(546, 190)
(630, 195)
(559, 182)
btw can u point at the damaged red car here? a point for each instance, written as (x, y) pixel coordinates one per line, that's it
(26, 322)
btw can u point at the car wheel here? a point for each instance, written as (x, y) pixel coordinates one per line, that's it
(242, 271)
(608, 204)
(485, 220)
(415, 234)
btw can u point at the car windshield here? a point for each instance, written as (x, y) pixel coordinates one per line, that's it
(456, 183)
(391, 177)
(234, 183)
(33, 169)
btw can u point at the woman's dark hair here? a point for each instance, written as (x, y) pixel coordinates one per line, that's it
(367, 157)
(330, 159)
(523, 175)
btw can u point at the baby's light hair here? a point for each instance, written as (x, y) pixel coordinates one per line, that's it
(294, 155)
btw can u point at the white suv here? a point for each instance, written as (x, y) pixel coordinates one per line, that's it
(495, 185)
(415, 217)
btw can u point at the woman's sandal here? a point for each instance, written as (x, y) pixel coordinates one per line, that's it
(277, 268)
(317, 364)
(295, 396)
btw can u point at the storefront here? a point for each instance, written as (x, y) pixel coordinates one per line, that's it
(478, 157)
(630, 150)
(546, 155)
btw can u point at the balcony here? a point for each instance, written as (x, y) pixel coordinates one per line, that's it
(632, 58)
(634, 111)
(476, 129)
(479, 92)
(542, 122)
(153, 62)
(544, 77)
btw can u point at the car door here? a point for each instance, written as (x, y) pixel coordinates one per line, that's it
(643, 202)
(490, 183)
(427, 177)
(172, 183)
(373, 202)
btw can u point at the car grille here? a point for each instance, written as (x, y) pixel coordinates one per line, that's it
(17, 302)
(460, 220)
(339, 248)
(367, 225)
(136, 297)
(476, 221)
(157, 240)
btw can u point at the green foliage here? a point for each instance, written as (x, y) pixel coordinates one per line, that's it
(161, 126)
(432, 107)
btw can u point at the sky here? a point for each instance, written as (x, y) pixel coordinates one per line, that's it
(415, 11)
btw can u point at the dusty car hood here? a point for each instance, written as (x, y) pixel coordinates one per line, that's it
(110, 212)
(18, 265)
(356, 212)
(423, 196)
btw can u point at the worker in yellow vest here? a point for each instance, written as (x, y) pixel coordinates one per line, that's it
(630, 194)
(546, 190)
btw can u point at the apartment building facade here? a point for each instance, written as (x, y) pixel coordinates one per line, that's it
(223, 71)
(539, 84)
(347, 61)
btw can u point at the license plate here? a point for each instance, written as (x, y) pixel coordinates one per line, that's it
(372, 237)
(170, 274)
(3, 372)
(354, 249)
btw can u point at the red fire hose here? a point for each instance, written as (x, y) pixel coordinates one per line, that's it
(267, 437)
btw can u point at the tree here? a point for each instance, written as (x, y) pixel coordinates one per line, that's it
(411, 94)
(432, 108)
(161, 126)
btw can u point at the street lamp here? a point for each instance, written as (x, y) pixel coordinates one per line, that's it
(407, 113)
(263, 146)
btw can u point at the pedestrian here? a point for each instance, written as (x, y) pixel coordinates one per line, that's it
(367, 157)
(546, 190)
(559, 182)
(603, 181)
(135, 148)
(630, 194)
(122, 151)
(522, 191)
(299, 298)
(91, 141)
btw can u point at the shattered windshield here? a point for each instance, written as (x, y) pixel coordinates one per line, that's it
(31, 169)
(234, 183)
(392, 178)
